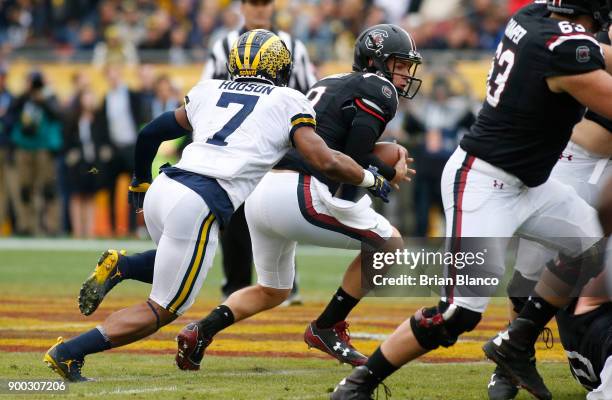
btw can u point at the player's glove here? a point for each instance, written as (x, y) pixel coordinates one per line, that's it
(136, 193)
(381, 186)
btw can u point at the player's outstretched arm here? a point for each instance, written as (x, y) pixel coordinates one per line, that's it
(592, 89)
(335, 165)
(170, 125)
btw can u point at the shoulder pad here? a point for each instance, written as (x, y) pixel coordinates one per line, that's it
(379, 95)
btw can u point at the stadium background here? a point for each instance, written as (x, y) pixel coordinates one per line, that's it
(159, 49)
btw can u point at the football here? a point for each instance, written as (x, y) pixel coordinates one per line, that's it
(388, 152)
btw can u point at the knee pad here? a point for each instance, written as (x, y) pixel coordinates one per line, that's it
(49, 192)
(519, 289)
(576, 271)
(441, 325)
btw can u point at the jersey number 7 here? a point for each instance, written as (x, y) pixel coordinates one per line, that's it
(248, 105)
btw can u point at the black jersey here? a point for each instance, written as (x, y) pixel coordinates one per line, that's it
(587, 340)
(523, 126)
(341, 103)
(603, 37)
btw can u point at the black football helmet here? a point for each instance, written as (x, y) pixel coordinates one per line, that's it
(377, 44)
(599, 9)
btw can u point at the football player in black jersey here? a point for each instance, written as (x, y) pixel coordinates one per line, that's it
(585, 165)
(295, 203)
(546, 69)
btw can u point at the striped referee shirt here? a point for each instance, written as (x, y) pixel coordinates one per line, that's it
(302, 75)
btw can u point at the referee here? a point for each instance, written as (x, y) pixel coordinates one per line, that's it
(235, 239)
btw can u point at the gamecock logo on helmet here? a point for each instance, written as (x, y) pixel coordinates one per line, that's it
(376, 39)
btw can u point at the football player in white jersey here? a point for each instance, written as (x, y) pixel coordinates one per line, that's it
(293, 203)
(241, 128)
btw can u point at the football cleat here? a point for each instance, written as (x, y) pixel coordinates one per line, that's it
(190, 347)
(359, 385)
(59, 360)
(335, 341)
(517, 361)
(501, 387)
(105, 276)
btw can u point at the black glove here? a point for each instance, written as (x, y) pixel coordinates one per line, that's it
(381, 187)
(136, 193)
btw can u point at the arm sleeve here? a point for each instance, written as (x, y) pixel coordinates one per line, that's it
(360, 145)
(574, 54)
(165, 127)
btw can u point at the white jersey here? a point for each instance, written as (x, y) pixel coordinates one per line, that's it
(240, 131)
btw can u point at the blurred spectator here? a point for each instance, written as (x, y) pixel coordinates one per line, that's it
(178, 55)
(120, 117)
(18, 23)
(131, 24)
(440, 119)
(321, 31)
(5, 147)
(87, 38)
(188, 28)
(114, 50)
(37, 137)
(87, 153)
(166, 98)
(157, 36)
(146, 75)
(200, 35)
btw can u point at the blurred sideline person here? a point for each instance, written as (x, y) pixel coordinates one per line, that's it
(235, 239)
(121, 115)
(584, 165)
(5, 149)
(241, 129)
(84, 147)
(37, 136)
(295, 203)
(500, 173)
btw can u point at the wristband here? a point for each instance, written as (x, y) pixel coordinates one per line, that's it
(368, 179)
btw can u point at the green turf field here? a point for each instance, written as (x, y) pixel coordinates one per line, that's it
(259, 359)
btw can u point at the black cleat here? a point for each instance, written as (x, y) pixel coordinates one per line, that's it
(359, 385)
(501, 387)
(335, 341)
(516, 360)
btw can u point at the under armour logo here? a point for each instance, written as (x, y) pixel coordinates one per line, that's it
(499, 185)
(338, 347)
(501, 337)
(339, 298)
(569, 157)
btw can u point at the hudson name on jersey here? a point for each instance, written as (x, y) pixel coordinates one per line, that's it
(523, 126)
(240, 130)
